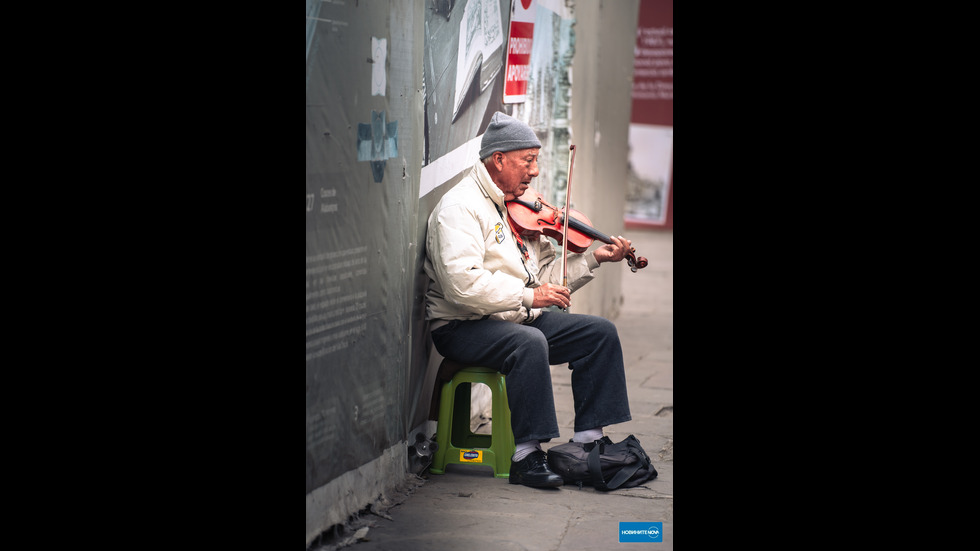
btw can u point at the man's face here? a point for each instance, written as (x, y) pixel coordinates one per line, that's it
(519, 167)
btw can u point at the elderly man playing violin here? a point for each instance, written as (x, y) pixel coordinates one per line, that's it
(489, 286)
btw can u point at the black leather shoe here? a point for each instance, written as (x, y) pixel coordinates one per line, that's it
(533, 471)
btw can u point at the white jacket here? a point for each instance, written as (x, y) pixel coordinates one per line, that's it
(473, 262)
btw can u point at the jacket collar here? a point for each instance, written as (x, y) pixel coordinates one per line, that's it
(487, 186)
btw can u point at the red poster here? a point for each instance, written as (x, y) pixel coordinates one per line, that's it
(653, 64)
(519, 41)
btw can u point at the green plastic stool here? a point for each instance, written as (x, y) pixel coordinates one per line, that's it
(456, 444)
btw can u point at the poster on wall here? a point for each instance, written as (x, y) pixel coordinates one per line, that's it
(472, 49)
(478, 57)
(649, 199)
(463, 64)
(520, 38)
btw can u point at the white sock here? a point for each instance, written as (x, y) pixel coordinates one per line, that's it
(587, 436)
(524, 448)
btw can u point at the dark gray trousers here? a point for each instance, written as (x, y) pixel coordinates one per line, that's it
(524, 353)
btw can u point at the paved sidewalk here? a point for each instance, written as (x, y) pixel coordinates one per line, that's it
(467, 508)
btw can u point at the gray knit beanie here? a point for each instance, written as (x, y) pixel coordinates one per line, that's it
(506, 133)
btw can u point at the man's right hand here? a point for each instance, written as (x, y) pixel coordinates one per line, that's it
(550, 294)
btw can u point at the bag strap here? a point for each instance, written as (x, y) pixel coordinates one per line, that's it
(624, 474)
(634, 445)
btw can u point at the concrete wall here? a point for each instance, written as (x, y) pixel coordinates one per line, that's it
(602, 77)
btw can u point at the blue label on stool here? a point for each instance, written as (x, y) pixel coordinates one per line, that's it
(471, 456)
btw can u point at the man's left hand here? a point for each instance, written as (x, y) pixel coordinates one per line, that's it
(613, 252)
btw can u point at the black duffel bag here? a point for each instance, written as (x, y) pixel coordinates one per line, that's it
(602, 464)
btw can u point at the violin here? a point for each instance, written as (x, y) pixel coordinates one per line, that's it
(535, 216)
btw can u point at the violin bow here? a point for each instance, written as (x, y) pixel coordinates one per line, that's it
(564, 229)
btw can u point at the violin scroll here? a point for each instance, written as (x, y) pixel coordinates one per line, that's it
(635, 262)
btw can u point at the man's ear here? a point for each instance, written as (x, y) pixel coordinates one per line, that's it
(498, 160)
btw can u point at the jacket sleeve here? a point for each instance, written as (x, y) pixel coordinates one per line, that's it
(457, 247)
(581, 266)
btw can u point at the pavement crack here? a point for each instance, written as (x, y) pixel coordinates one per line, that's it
(657, 496)
(564, 531)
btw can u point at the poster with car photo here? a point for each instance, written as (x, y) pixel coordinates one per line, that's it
(465, 45)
